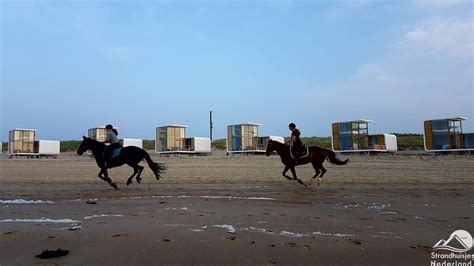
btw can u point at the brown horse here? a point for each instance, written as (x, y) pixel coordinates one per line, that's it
(316, 157)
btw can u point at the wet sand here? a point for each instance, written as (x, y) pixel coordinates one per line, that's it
(377, 210)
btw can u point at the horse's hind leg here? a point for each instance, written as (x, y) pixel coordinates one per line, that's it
(140, 170)
(135, 171)
(316, 168)
(295, 177)
(317, 171)
(323, 170)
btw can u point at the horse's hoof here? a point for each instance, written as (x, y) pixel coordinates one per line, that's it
(139, 180)
(129, 182)
(301, 182)
(114, 186)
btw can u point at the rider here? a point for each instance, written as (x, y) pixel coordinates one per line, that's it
(295, 140)
(111, 137)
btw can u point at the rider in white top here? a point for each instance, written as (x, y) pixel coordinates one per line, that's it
(111, 136)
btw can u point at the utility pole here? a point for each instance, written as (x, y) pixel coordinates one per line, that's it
(210, 125)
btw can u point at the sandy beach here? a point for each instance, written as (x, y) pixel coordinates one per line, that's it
(234, 210)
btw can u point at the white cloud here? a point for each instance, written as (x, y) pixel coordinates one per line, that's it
(440, 37)
(427, 74)
(439, 4)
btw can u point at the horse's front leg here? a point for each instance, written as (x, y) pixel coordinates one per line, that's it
(104, 175)
(101, 175)
(284, 172)
(293, 171)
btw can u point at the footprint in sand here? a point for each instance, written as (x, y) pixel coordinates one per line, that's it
(422, 248)
(294, 245)
(230, 238)
(166, 240)
(355, 241)
(13, 233)
(396, 220)
(120, 235)
(272, 246)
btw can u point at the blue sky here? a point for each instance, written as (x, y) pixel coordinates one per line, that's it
(67, 66)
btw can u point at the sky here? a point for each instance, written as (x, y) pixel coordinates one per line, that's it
(66, 66)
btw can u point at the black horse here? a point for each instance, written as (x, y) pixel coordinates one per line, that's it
(130, 155)
(316, 157)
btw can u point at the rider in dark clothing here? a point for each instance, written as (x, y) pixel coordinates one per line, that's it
(295, 140)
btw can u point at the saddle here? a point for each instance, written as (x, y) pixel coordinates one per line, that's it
(302, 152)
(116, 152)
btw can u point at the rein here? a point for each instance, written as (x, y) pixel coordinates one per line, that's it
(279, 146)
(96, 147)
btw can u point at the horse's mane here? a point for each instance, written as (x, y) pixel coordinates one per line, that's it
(95, 142)
(276, 142)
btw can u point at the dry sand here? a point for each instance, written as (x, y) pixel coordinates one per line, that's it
(218, 210)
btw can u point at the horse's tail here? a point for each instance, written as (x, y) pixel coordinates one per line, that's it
(333, 159)
(157, 168)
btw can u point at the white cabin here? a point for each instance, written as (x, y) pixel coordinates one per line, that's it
(244, 138)
(171, 139)
(22, 142)
(353, 136)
